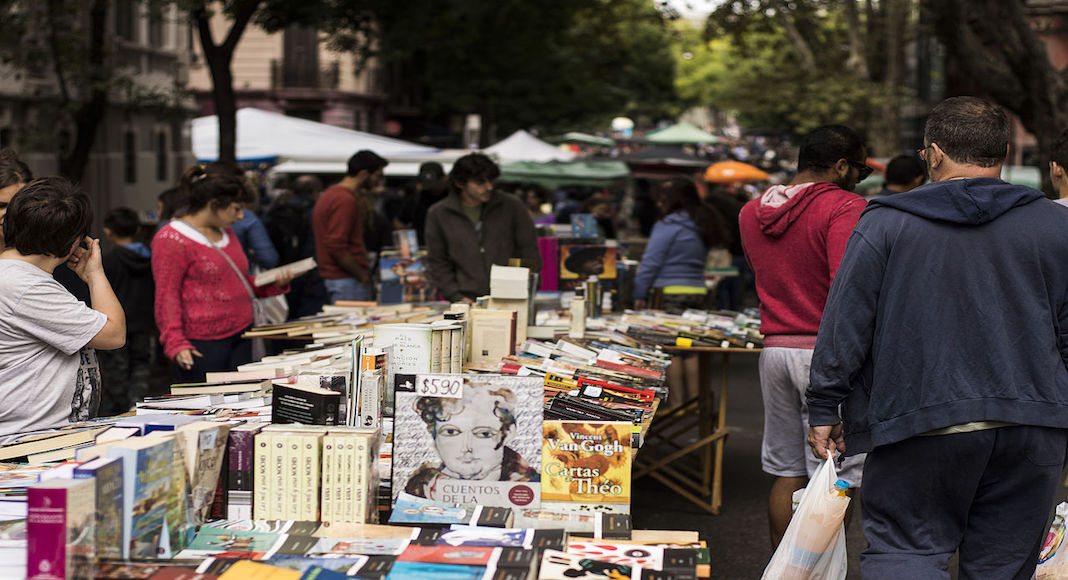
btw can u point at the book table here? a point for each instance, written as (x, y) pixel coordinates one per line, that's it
(668, 459)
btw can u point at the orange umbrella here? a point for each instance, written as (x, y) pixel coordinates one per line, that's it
(733, 171)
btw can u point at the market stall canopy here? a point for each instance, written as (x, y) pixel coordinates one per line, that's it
(682, 133)
(586, 139)
(734, 172)
(522, 146)
(268, 136)
(554, 174)
(399, 165)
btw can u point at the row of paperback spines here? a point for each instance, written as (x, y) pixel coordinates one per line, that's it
(310, 473)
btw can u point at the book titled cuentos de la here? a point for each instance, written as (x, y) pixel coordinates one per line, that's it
(480, 447)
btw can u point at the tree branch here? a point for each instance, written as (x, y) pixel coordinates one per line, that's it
(857, 62)
(804, 53)
(53, 46)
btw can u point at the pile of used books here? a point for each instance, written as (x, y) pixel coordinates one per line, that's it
(724, 329)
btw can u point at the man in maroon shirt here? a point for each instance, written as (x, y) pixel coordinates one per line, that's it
(339, 247)
(794, 236)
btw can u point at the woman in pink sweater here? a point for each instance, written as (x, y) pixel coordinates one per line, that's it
(203, 291)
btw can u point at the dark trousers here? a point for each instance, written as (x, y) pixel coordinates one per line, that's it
(126, 372)
(224, 354)
(987, 493)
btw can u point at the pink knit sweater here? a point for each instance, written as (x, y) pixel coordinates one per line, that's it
(198, 295)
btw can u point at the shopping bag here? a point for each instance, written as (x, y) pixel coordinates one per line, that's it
(1053, 561)
(813, 547)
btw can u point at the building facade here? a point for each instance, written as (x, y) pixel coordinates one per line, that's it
(141, 144)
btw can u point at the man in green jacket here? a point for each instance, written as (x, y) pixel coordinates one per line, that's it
(473, 228)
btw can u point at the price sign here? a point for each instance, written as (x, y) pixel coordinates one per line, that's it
(447, 386)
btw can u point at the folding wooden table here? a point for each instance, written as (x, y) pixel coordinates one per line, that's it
(664, 458)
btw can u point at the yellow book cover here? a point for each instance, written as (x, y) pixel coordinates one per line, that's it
(586, 462)
(261, 479)
(249, 570)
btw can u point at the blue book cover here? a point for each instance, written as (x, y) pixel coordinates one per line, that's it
(108, 475)
(423, 570)
(146, 465)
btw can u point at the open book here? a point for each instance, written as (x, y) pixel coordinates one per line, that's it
(299, 267)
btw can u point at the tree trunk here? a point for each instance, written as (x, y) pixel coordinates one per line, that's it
(857, 61)
(804, 54)
(219, 58)
(992, 41)
(89, 115)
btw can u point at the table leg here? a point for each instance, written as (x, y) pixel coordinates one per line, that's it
(721, 427)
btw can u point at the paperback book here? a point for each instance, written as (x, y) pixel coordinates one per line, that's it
(480, 447)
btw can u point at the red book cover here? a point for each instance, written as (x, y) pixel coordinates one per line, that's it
(46, 534)
(461, 555)
(622, 368)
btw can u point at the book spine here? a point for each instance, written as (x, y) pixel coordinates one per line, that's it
(261, 492)
(456, 359)
(327, 484)
(278, 486)
(46, 534)
(293, 480)
(371, 399)
(310, 459)
(240, 447)
(348, 478)
(435, 351)
(446, 350)
(360, 487)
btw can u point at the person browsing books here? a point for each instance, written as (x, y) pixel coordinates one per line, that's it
(473, 228)
(203, 291)
(42, 326)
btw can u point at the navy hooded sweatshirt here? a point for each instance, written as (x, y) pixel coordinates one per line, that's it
(950, 306)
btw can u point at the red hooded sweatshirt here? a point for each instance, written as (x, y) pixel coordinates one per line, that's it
(794, 237)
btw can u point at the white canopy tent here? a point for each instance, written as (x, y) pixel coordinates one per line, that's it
(522, 146)
(267, 136)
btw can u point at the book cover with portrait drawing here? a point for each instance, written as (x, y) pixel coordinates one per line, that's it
(586, 463)
(482, 447)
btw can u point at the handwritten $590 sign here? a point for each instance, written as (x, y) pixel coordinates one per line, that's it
(446, 386)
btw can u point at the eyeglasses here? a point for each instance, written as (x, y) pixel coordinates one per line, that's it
(863, 171)
(922, 153)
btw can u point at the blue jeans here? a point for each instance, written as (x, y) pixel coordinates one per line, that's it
(347, 289)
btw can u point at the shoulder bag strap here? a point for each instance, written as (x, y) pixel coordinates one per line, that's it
(233, 266)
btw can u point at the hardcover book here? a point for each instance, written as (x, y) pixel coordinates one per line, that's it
(60, 530)
(483, 447)
(203, 444)
(557, 565)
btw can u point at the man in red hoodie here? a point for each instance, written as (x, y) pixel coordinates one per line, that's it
(794, 236)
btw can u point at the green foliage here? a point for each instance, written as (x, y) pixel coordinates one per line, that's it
(552, 64)
(744, 63)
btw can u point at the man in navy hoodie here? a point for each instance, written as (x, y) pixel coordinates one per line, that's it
(944, 340)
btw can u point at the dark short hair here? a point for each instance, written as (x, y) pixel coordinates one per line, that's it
(122, 221)
(824, 146)
(969, 130)
(473, 167)
(904, 169)
(12, 170)
(307, 186)
(173, 201)
(365, 160)
(47, 217)
(203, 185)
(1059, 152)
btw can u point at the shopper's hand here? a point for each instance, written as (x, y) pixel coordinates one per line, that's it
(466, 300)
(639, 304)
(284, 278)
(822, 437)
(85, 262)
(184, 358)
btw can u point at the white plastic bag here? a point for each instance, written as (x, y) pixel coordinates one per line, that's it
(1053, 561)
(814, 547)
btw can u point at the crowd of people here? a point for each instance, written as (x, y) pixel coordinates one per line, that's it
(920, 333)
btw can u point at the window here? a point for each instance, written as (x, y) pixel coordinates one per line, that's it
(155, 26)
(6, 138)
(129, 156)
(126, 19)
(161, 156)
